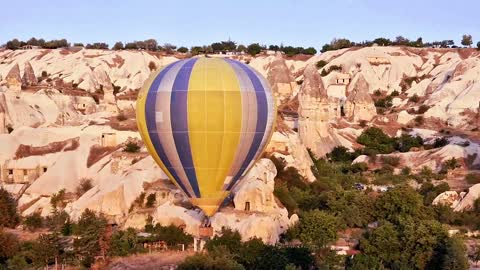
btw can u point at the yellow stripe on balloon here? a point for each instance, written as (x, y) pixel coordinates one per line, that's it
(214, 123)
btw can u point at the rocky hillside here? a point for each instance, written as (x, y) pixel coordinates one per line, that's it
(67, 117)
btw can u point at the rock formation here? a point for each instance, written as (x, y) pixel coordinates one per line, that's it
(29, 78)
(315, 112)
(280, 77)
(13, 78)
(255, 192)
(359, 105)
(108, 103)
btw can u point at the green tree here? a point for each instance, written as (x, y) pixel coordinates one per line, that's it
(33, 221)
(182, 49)
(118, 46)
(208, 262)
(9, 245)
(46, 249)
(90, 229)
(478, 45)
(454, 257)
(8, 210)
(315, 229)
(254, 49)
(375, 140)
(467, 40)
(124, 243)
(229, 239)
(398, 203)
(17, 262)
(382, 243)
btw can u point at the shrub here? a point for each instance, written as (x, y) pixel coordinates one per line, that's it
(405, 142)
(44, 74)
(182, 50)
(375, 140)
(377, 93)
(151, 200)
(390, 160)
(406, 171)
(419, 120)
(440, 142)
(84, 186)
(152, 66)
(395, 93)
(472, 178)
(33, 221)
(9, 245)
(131, 147)
(451, 164)
(340, 154)
(8, 210)
(422, 109)
(320, 64)
(415, 98)
(121, 117)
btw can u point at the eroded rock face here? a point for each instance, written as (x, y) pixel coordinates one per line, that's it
(280, 77)
(359, 105)
(467, 202)
(29, 78)
(255, 192)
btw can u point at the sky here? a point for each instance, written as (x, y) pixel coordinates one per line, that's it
(187, 23)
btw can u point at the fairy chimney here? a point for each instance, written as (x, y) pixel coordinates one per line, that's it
(280, 77)
(359, 105)
(13, 79)
(29, 78)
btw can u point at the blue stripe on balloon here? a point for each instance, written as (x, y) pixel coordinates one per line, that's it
(262, 115)
(150, 110)
(179, 120)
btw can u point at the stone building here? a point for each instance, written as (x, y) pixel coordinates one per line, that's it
(13, 173)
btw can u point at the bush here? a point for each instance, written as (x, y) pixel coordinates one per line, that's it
(320, 64)
(440, 142)
(33, 221)
(405, 142)
(422, 109)
(451, 164)
(377, 93)
(152, 66)
(395, 93)
(341, 154)
(472, 178)
(182, 50)
(207, 262)
(375, 140)
(419, 120)
(415, 98)
(151, 200)
(84, 186)
(131, 147)
(390, 160)
(121, 117)
(8, 210)
(9, 245)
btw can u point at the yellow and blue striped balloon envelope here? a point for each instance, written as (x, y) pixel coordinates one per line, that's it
(205, 121)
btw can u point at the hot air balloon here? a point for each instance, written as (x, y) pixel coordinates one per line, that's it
(205, 121)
